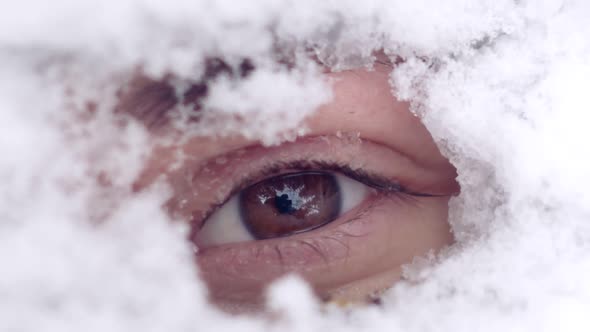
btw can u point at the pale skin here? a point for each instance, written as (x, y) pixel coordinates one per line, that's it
(352, 258)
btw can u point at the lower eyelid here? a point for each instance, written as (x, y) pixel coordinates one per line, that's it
(378, 237)
(272, 257)
(247, 268)
(276, 252)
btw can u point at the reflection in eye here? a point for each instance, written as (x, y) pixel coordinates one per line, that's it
(282, 205)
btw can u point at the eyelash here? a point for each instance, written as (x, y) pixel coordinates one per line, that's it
(382, 185)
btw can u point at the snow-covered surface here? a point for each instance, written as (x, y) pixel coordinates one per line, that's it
(501, 84)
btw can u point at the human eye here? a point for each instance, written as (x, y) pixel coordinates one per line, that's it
(283, 205)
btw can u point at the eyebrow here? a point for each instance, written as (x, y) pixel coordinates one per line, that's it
(152, 102)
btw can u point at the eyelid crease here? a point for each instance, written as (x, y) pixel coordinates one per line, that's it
(381, 184)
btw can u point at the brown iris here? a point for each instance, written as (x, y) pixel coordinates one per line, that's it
(289, 204)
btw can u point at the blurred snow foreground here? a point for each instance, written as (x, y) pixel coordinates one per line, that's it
(501, 84)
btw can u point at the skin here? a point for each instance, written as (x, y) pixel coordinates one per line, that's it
(362, 252)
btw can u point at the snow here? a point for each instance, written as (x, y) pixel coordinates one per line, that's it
(500, 84)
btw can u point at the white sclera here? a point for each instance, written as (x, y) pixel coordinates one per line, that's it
(226, 226)
(352, 193)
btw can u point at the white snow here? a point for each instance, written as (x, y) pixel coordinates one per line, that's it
(501, 84)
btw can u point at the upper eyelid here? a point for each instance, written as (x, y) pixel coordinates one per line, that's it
(374, 181)
(379, 166)
(313, 165)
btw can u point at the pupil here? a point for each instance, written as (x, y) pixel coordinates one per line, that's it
(283, 204)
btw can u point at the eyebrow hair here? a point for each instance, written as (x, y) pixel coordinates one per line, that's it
(151, 101)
